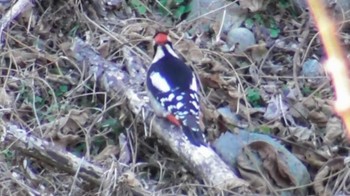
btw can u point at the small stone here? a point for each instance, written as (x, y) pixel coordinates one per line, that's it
(240, 37)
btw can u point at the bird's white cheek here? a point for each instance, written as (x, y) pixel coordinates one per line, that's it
(171, 51)
(159, 54)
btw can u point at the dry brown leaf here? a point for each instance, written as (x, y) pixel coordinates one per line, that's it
(212, 80)
(318, 117)
(275, 108)
(299, 111)
(27, 15)
(62, 79)
(66, 139)
(293, 95)
(308, 155)
(191, 51)
(65, 47)
(125, 152)
(259, 51)
(22, 57)
(327, 109)
(79, 116)
(254, 74)
(269, 164)
(104, 48)
(210, 116)
(131, 29)
(253, 5)
(63, 129)
(301, 133)
(326, 181)
(73, 121)
(5, 98)
(130, 179)
(234, 93)
(107, 152)
(309, 103)
(275, 166)
(319, 187)
(334, 131)
(51, 127)
(218, 67)
(249, 173)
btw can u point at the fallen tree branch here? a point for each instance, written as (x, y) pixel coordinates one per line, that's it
(21, 140)
(203, 162)
(19, 7)
(18, 139)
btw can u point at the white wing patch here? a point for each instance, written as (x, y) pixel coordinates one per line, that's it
(159, 82)
(193, 85)
(159, 54)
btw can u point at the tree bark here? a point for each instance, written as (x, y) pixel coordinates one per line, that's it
(21, 140)
(26, 143)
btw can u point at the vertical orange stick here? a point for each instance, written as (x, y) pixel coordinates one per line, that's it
(336, 63)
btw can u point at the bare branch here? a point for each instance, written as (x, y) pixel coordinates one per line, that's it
(49, 153)
(19, 7)
(45, 151)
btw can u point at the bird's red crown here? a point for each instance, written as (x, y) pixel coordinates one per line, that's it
(161, 38)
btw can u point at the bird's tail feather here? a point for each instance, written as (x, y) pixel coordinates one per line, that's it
(195, 137)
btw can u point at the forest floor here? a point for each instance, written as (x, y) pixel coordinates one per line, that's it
(266, 78)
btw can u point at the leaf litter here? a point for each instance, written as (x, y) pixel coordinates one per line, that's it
(45, 91)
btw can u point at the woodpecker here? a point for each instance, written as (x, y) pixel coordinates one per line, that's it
(173, 90)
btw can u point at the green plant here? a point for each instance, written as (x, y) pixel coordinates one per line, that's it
(284, 4)
(306, 91)
(73, 31)
(98, 143)
(253, 96)
(62, 89)
(9, 155)
(177, 8)
(273, 28)
(139, 6)
(112, 123)
(265, 21)
(79, 149)
(26, 94)
(265, 129)
(249, 23)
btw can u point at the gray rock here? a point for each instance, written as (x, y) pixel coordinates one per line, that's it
(240, 38)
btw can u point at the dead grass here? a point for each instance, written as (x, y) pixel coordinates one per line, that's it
(45, 91)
